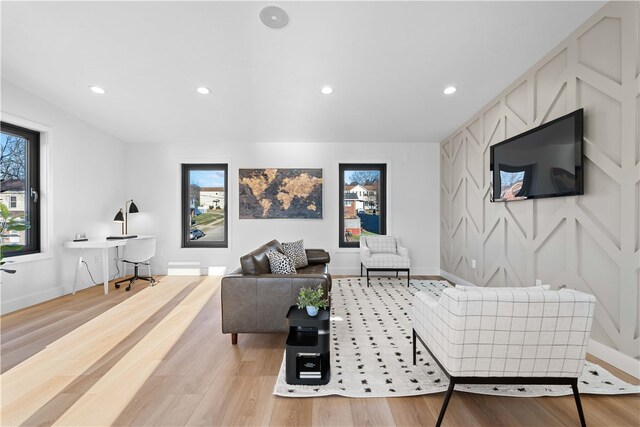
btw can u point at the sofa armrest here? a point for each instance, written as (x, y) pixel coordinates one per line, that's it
(433, 323)
(318, 256)
(403, 252)
(365, 253)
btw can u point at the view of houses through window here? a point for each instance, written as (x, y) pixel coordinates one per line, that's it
(19, 184)
(204, 205)
(362, 202)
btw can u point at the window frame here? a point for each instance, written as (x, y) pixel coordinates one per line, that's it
(32, 183)
(185, 208)
(382, 200)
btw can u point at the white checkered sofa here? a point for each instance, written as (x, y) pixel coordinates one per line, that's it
(506, 335)
(384, 253)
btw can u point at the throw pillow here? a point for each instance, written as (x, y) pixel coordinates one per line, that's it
(280, 263)
(295, 251)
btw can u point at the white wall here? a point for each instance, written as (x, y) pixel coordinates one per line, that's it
(590, 242)
(85, 190)
(153, 174)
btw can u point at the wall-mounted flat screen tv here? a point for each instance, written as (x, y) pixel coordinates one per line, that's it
(542, 162)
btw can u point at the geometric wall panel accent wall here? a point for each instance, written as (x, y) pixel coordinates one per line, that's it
(589, 242)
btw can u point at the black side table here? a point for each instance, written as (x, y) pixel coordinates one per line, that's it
(308, 347)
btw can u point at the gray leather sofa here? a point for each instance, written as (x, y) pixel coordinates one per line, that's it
(256, 301)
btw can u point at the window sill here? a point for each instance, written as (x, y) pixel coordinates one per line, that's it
(347, 250)
(203, 248)
(21, 259)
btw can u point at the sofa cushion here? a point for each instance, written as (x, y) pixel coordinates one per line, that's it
(280, 263)
(382, 244)
(386, 261)
(295, 251)
(256, 262)
(313, 269)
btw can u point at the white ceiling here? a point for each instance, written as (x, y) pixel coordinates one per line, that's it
(387, 61)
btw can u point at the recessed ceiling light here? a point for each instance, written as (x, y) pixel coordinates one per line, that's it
(327, 90)
(203, 90)
(97, 89)
(450, 89)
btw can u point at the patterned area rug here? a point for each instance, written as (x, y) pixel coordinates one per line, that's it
(371, 354)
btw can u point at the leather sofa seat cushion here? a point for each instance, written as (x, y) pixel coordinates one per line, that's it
(313, 269)
(257, 262)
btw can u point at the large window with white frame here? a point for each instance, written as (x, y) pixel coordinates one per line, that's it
(20, 184)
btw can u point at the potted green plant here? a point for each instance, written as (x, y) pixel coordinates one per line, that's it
(9, 224)
(312, 299)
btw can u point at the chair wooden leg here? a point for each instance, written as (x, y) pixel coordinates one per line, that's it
(414, 346)
(576, 395)
(397, 274)
(234, 339)
(447, 397)
(361, 269)
(408, 278)
(367, 277)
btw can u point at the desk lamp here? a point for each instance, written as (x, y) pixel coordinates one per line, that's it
(123, 218)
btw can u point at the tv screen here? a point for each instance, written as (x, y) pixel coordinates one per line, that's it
(543, 162)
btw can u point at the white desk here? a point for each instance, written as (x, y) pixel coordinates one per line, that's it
(103, 244)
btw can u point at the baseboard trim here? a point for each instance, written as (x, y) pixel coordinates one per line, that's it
(614, 357)
(34, 298)
(455, 279)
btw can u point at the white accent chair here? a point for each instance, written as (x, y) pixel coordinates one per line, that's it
(384, 253)
(138, 251)
(505, 335)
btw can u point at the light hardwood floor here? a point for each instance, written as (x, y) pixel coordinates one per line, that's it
(156, 356)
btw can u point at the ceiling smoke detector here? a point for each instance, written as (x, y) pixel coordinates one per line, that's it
(274, 17)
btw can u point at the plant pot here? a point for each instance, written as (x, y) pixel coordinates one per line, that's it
(312, 311)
